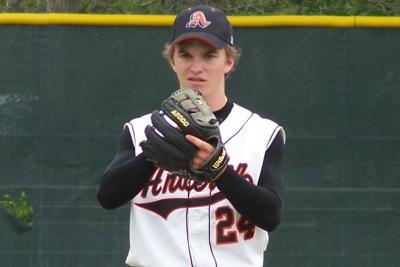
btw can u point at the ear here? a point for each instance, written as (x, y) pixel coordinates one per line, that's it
(230, 62)
(172, 64)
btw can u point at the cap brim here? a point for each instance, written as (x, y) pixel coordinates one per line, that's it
(202, 36)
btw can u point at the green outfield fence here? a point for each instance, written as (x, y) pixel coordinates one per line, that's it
(68, 82)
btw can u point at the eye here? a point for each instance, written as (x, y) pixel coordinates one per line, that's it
(211, 55)
(184, 55)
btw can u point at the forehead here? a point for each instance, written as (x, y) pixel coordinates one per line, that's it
(198, 44)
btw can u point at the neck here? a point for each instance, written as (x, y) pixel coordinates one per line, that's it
(216, 103)
(216, 99)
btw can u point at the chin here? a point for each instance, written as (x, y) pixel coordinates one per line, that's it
(194, 87)
(200, 89)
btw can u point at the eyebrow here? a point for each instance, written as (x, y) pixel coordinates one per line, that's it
(208, 51)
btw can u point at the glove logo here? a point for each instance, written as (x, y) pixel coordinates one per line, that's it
(180, 118)
(220, 160)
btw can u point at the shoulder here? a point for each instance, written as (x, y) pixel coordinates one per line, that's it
(138, 122)
(238, 110)
(256, 121)
(136, 126)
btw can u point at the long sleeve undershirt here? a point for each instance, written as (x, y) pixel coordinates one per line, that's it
(127, 174)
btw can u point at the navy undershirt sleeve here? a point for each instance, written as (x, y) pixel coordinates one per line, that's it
(127, 174)
(262, 203)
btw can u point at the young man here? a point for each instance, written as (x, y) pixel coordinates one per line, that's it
(177, 222)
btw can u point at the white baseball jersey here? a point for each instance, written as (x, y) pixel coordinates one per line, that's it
(179, 223)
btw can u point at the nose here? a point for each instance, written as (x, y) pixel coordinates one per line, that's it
(196, 67)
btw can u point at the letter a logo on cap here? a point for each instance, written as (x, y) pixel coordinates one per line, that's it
(198, 19)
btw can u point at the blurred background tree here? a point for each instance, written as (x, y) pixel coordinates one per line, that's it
(231, 7)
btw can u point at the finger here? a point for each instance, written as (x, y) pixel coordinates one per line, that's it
(203, 155)
(200, 158)
(200, 144)
(197, 163)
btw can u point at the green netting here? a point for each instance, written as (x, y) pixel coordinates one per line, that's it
(66, 91)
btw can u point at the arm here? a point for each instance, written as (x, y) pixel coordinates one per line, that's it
(261, 203)
(125, 176)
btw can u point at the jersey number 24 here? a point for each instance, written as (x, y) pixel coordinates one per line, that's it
(228, 227)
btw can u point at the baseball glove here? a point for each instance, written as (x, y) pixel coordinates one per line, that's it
(184, 112)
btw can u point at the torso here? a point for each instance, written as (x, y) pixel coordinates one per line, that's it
(175, 222)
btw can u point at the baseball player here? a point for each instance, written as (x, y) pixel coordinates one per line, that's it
(202, 174)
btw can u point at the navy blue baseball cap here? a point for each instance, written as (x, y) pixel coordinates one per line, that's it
(205, 23)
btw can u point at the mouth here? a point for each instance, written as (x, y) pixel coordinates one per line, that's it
(196, 80)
